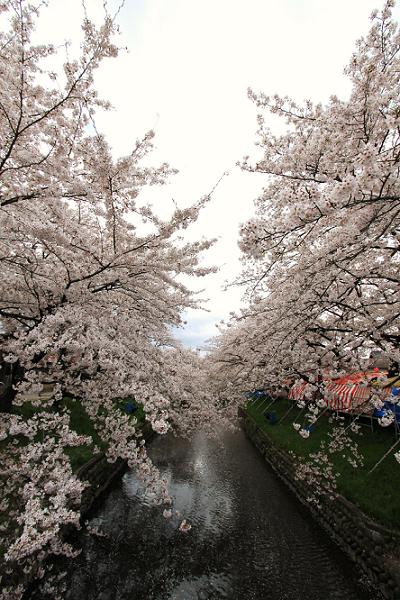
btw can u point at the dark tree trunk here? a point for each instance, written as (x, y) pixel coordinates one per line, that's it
(10, 374)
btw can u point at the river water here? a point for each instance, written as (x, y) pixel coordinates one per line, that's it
(250, 538)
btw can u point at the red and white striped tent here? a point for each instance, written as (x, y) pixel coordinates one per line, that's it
(345, 393)
(296, 392)
(351, 391)
(346, 396)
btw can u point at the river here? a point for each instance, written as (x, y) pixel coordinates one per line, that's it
(250, 538)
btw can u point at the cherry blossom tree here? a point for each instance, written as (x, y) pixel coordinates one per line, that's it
(321, 254)
(89, 290)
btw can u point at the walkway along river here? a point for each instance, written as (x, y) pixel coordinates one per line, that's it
(250, 538)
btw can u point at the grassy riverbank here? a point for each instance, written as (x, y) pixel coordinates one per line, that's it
(82, 424)
(376, 493)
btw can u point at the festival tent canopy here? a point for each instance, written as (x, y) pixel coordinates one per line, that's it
(346, 396)
(297, 390)
(345, 393)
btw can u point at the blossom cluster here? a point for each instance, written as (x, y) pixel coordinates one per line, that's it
(321, 252)
(91, 288)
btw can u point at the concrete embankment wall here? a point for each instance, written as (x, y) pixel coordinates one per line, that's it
(374, 549)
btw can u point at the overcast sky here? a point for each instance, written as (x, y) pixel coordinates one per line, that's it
(186, 73)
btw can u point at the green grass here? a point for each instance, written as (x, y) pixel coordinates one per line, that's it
(79, 422)
(377, 494)
(82, 424)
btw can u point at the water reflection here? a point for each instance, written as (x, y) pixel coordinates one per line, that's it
(250, 538)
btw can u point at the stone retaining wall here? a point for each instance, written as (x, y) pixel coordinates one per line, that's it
(373, 548)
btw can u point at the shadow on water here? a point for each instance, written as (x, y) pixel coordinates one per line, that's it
(250, 538)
